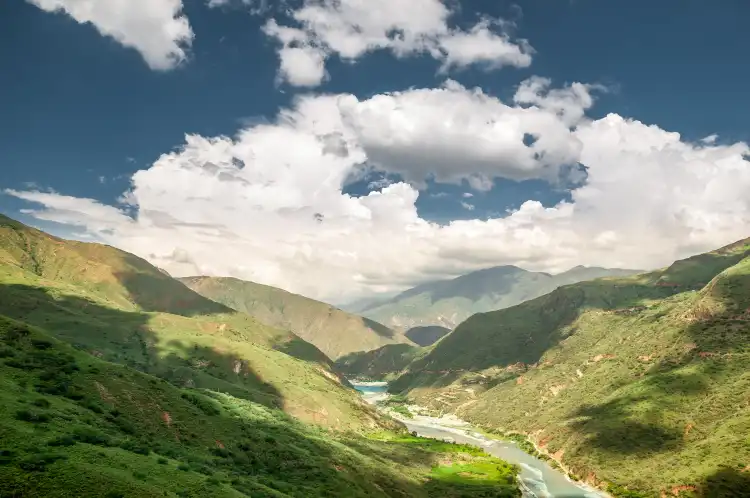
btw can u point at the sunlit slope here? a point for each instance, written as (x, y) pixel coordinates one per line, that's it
(120, 308)
(641, 381)
(74, 425)
(333, 331)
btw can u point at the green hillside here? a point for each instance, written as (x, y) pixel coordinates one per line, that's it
(74, 425)
(379, 364)
(333, 331)
(447, 303)
(119, 308)
(640, 381)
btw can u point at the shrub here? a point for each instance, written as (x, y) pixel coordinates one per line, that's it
(184, 467)
(90, 435)
(6, 456)
(162, 461)
(41, 344)
(33, 417)
(39, 462)
(16, 333)
(90, 405)
(203, 403)
(66, 440)
(135, 447)
(41, 403)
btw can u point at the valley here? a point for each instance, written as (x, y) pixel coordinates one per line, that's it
(118, 381)
(637, 384)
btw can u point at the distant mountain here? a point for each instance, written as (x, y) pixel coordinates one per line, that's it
(427, 335)
(638, 381)
(117, 380)
(449, 302)
(333, 331)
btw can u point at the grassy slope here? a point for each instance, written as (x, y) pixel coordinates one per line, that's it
(334, 331)
(120, 308)
(448, 303)
(379, 364)
(640, 381)
(74, 425)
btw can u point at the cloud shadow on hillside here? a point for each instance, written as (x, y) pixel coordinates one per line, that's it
(520, 335)
(714, 339)
(126, 338)
(379, 328)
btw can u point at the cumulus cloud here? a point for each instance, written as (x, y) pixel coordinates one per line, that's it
(454, 133)
(157, 29)
(253, 207)
(351, 28)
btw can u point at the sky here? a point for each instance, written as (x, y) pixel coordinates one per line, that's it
(345, 149)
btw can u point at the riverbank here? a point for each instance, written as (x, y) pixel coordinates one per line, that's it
(537, 479)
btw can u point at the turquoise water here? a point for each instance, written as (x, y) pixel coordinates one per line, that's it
(370, 389)
(538, 479)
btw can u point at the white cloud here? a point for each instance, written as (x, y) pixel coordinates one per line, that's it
(351, 28)
(710, 139)
(467, 195)
(255, 208)
(455, 134)
(156, 28)
(481, 45)
(302, 66)
(467, 206)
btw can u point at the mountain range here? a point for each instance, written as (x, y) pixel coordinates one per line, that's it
(117, 380)
(333, 331)
(636, 384)
(447, 303)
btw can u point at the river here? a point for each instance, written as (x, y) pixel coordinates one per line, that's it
(538, 478)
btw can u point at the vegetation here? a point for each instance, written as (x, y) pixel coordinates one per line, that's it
(116, 380)
(74, 425)
(463, 471)
(334, 331)
(119, 308)
(380, 364)
(446, 303)
(637, 384)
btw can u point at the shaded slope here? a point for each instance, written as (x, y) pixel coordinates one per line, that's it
(639, 381)
(334, 331)
(447, 303)
(119, 308)
(74, 425)
(379, 364)
(427, 335)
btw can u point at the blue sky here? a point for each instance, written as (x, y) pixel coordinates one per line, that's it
(81, 113)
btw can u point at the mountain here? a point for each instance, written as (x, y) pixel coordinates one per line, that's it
(75, 425)
(380, 364)
(427, 335)
(638, 381)
(447, 303)
(334, 331)
(118, 307)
